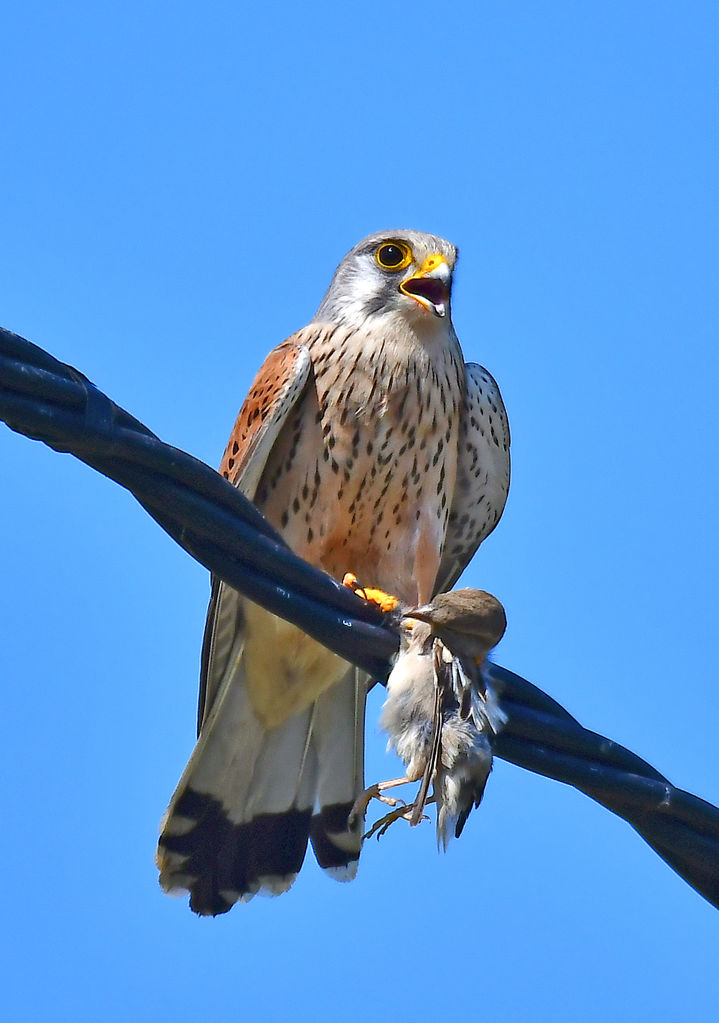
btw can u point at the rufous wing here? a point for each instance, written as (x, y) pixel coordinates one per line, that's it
(276, 389)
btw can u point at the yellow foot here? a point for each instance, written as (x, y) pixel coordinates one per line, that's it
(384, 601)
(401, 813)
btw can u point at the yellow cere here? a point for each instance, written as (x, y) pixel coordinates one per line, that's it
(431, 263)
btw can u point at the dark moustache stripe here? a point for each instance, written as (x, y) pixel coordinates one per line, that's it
(222, 856)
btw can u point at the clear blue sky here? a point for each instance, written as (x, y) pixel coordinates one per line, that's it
(178, 183)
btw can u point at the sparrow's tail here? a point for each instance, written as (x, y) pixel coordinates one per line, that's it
(465, 761)
(459, 787)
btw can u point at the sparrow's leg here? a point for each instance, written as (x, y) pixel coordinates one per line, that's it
(375, 792)
(401, 813)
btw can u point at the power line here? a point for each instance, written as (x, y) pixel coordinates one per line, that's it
(50, 401)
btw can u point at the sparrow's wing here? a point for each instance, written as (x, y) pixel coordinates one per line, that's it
(480, 492)
(276, 390)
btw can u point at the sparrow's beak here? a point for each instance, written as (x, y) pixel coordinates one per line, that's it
(425, 613)
(430, 285)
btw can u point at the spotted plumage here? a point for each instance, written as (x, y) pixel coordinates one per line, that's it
(358, 443)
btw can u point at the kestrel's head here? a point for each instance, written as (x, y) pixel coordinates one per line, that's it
(405, 273)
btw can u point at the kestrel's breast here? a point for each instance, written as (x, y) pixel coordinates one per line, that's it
(365, 469)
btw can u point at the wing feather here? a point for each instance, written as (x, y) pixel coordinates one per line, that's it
(275, 391)
(483, 471)
(277, 388)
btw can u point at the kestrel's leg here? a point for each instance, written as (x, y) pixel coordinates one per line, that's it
(384, 601)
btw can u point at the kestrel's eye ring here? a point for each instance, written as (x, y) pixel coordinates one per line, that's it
(393, 255)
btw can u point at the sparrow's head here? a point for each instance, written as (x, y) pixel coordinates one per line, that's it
(470, 622)
(392, 273)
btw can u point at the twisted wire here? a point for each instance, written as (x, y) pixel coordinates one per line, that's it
(47, 400)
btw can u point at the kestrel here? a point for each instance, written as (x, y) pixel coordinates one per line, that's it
(370, 445)
(441, 714)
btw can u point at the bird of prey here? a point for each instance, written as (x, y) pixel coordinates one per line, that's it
(441, 714)
(371, 446)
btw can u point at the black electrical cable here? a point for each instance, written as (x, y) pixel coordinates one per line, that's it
(50, 401)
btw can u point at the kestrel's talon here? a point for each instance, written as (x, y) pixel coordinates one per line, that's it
(384, 601)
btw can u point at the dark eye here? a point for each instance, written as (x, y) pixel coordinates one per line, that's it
(393, 256)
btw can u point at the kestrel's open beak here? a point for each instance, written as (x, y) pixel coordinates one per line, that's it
(430, 285)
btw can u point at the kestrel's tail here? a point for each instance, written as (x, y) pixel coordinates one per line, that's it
(250, 798)
(338, 746)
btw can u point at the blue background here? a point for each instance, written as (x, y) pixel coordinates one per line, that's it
(178, 183)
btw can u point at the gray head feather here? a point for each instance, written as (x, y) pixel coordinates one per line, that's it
(360, 288)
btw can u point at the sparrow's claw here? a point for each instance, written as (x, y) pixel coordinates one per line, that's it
(381, 826)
